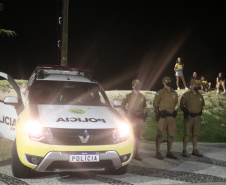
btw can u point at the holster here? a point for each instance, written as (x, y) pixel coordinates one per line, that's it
(157, 115)
(186, 113)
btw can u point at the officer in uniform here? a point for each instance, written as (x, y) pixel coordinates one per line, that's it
(135, 113)
(191, 104)
(164, 103)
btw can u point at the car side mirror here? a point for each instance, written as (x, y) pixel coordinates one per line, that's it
(11, 100)
(117, 103)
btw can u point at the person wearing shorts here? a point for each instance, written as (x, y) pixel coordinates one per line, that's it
(191, 104)
(164, 103)
(179, 73)
(134, 105)
(220, 81)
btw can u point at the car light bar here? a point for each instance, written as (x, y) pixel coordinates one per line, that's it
(44, 70)
(64, 68)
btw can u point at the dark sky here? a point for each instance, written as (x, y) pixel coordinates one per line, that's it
(120, 39)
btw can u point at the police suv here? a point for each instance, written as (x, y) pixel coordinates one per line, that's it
(64, 123)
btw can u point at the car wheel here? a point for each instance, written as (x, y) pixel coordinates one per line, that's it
(120, 171)
(18, 169)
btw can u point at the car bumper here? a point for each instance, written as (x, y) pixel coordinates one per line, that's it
(59, 161)
(55, 158)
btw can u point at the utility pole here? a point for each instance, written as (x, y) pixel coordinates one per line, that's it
(63, 44)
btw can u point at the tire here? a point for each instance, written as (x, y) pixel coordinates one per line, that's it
(120, 171)
(18, 169)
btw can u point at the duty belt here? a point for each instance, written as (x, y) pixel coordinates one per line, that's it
(195, 114)
(164, 114)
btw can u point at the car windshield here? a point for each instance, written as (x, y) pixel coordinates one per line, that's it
(67, 93)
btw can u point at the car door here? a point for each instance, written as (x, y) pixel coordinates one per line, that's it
(10, 108)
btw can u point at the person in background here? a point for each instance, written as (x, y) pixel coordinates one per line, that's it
(135, 113)
(205, 85)
(194, 76)
(179, 73)
(191, 104)
(220, 81)
(165, 102)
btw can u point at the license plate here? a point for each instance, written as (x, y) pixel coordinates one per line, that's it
(84, 157)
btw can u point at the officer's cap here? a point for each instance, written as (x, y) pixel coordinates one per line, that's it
(166, 79)
(194, 82)
(136, 82)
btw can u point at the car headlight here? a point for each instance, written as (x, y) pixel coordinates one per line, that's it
(124, 130)
(122, 133)
(36, 131)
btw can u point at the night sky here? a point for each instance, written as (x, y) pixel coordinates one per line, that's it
(120, 39)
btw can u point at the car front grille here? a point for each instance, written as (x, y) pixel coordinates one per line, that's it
(60, 136)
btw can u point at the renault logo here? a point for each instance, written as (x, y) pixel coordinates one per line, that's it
(85, 137)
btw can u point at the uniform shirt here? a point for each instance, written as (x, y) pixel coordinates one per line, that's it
(136, 103)
(192, 102)
(179, 66)
(165, 100)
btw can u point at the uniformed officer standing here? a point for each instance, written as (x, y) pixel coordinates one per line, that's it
(135, 113)
(164, 103)
(191, 104)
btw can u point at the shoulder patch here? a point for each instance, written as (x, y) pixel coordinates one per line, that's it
(157, 93)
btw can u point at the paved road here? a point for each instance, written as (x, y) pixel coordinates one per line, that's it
(210, 169)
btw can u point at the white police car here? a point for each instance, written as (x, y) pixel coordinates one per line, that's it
(64, 123)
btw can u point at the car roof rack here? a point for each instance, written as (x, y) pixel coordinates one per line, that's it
(43, 71)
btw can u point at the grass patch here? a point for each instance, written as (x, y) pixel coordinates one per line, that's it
(220, 104)
(5, 86)
(210, 129)
(150, 126)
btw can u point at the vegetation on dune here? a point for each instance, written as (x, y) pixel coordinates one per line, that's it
(5, 86)
(214, 113)
(3, 32)
(210, 129)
